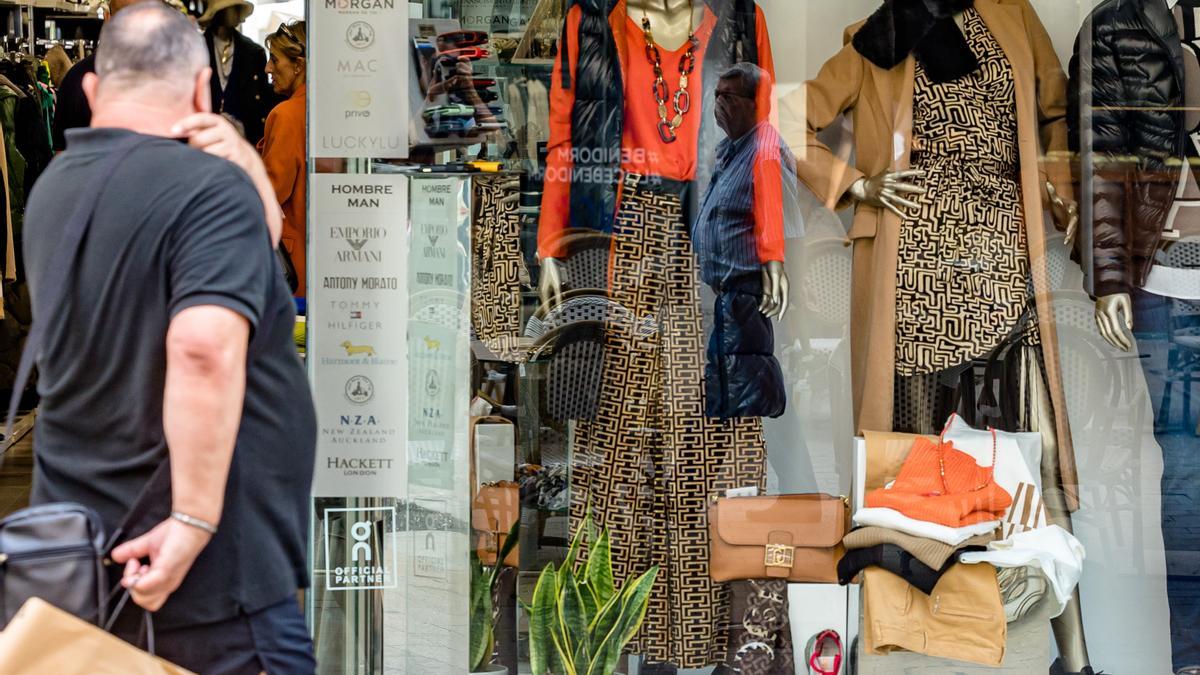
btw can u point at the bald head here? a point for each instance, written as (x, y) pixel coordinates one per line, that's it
(149, 49)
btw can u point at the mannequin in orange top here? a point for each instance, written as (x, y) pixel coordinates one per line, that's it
(633, 146)
(671, 20)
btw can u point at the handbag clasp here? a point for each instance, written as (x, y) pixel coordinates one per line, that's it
(780, 555)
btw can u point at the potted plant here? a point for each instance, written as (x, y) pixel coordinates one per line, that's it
(484, 606)
(579, 623)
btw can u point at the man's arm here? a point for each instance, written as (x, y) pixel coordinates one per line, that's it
(202, 408)
(202, 404)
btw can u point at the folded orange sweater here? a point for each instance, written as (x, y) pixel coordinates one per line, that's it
(967, 495)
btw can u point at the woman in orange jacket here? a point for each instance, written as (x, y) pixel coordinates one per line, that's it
(283, 144)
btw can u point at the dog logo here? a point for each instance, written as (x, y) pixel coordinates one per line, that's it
(357, 350)
(433, 345)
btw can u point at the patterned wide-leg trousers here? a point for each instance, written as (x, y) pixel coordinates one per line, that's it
(497, 268)
(649, 462)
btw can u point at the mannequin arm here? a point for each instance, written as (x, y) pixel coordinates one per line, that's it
(1066, 214)
(1052, 108)
(804, 114)
(1114, 319)
(776, 290)
(550, 283)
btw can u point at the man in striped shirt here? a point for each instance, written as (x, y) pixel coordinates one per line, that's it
(738, 237)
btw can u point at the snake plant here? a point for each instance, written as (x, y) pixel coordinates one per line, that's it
(580, 623)
(483, 602)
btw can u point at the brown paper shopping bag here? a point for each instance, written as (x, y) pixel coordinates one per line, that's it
(43, 639)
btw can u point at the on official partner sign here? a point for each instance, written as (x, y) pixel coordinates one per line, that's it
(356, 556)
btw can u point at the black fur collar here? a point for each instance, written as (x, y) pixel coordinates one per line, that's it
(923, 28)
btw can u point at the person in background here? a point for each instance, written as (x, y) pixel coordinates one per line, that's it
(283, 145)
(240, 90)
(195, 364)
(72, 110)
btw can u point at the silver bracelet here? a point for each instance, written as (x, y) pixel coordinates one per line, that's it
(194, 522)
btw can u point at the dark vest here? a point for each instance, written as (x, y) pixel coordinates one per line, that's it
(597, 120)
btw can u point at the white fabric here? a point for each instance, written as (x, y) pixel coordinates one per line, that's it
(894, 520)
(1018, 456)
(1052, 549)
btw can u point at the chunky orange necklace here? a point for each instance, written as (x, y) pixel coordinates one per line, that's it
(681, 102)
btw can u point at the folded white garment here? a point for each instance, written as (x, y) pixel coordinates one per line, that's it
(894, 520)
(1051, 549)
(1018, 456)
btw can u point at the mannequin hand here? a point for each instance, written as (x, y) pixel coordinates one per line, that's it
(1114, 319)
(775, 291)
(888, 190)
(550, 284)
(1066, 214)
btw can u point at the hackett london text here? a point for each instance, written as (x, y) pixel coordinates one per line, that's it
(358, 463)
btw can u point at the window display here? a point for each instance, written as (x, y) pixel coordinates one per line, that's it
(704, 270)
(1140, 151)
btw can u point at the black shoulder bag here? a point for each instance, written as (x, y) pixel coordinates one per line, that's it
(58, 552)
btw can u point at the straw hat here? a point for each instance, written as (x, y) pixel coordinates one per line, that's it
(215, 6)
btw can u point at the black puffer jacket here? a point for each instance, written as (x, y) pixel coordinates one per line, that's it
(742, 377)
(1125, 99)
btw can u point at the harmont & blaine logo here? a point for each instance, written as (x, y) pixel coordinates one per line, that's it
(357, 558)
(359, 390)
(358, 350)
(360, 35)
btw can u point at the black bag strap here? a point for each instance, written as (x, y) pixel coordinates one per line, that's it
(54, 278)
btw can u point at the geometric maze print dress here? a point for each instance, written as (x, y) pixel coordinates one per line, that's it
(647, 464)
(962, 273)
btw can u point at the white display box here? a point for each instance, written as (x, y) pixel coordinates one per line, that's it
(813, 608)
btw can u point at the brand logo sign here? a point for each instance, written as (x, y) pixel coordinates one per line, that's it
(356, 557)
(360, 35)
(360, 390)
(359, 243)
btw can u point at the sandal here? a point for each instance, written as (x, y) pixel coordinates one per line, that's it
(823, 654)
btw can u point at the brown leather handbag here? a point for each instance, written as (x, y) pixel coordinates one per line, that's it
(793, 537)
(494, 510)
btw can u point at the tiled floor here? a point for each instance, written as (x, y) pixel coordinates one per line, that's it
(16, 476)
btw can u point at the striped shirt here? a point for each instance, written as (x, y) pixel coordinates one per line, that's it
(740, 225)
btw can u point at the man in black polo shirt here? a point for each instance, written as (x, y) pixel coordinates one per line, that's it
(175, 339)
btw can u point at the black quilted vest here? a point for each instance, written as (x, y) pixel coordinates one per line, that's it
(597, 120)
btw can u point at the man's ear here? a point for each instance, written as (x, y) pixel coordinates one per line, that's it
(91, 83)
(202, 97)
